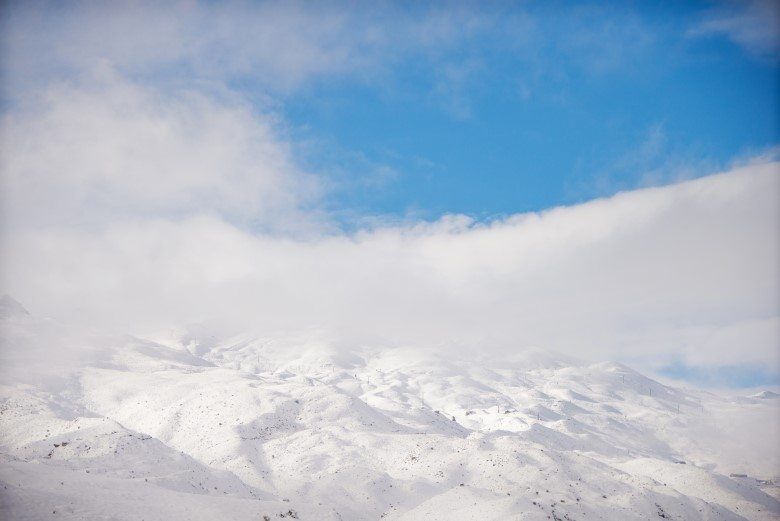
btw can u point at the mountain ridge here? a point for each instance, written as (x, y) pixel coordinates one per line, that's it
(248, 427)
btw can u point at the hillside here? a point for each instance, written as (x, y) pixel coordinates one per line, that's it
(243, 427)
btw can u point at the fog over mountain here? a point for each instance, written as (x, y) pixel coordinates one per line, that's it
(194, 426)
(389, 260)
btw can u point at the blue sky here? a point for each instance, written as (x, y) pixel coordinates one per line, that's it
(424, 109)
(595, 100)
(731, 376)
(398, 173)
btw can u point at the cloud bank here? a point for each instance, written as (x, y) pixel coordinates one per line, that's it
(134, 201)
(112, 227)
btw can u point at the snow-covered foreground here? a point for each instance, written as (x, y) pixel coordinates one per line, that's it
(245, 428)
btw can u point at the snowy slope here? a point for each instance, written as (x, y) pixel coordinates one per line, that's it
(241, 428)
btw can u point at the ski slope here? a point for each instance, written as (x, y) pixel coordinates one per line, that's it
(200, 427)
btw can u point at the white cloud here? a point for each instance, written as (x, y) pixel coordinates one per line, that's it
(752, 24)
(278, 45)
(110, 149)
(654, 275)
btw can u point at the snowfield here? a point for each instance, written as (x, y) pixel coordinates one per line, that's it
(248, 428)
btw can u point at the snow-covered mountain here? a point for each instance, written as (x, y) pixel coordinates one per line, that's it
(199, 427)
